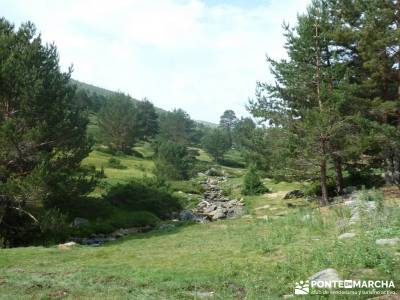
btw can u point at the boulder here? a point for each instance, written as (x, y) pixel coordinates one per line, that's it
(346, 235)
(186, 215)
(167, 226)
(349, 189)
(67, 246)
(213, 172)
(326, 275)
(294, 194)
(219, 213)
(79, 222)
(234, 212)
(388, 242)
(210, 209)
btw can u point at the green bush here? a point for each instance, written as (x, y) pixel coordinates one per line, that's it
(188, 186)
(173, 161)
(314, 189)
(53, 227)
(252, 184)
(115, 163)
(145, 194)
(118, 219)
(89, 208)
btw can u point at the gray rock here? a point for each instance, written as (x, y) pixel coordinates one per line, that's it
(349, 189)
(67, 245)
(263, 207)
(79, 222)
(234, 212)
(213, 172)
(210, 209)
(346, 235)
(219, 213)
(186, 215)
(202, 294)
(326, 275)
(357, 206)
(294, 194)
(388, 242)
(167, 226)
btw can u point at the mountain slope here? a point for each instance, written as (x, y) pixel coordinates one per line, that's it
(107, 93)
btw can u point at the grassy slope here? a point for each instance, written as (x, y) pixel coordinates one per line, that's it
(248, 257)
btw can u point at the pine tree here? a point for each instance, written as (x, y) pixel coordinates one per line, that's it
(42, 133)
(227, 122)
(118, 123)
(216, 143)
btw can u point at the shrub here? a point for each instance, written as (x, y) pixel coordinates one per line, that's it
(53, 227)
(89, 208)
(216, 143)
(146, 194)
(118, 219)
(173, 161)
(115, 163)
(252, 183)
(314, 189)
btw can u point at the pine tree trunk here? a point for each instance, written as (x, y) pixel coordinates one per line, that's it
(339, 174)
(388, 171)
(324, 189)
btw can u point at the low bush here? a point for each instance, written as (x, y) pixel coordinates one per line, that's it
(188, 186)
(252, 184)
(115, 163)
(365, 178)
(145, 194)
(118, 219)
(173, 161)
(314, 189)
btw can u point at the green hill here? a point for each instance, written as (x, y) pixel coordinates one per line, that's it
(107, 93)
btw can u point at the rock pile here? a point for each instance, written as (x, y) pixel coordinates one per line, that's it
(99, 239)
(214, 205)
(357, 207)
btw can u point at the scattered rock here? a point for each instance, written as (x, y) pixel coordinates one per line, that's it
(214, 205)
(167, 226)
(79, 222)
(357, 206)
(213, 172)
(67, 246)
(325, 275)
(349, 189)
(346, 235)
(263, 207)
(294, 194)
(388, 242)
(247, 217)
(202, 294)
(186, 215)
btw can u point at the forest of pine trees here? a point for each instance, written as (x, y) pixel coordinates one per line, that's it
(331, 117)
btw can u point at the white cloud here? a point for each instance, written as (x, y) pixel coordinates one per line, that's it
(189, 54)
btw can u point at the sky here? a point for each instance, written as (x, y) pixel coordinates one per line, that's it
(201, 56)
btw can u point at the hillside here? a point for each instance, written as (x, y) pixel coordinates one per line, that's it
(107, 93)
